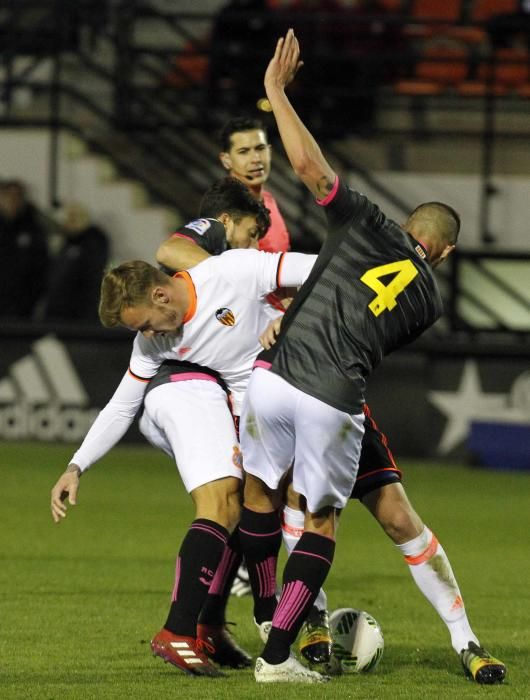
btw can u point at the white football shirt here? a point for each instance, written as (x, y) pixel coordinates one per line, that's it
(223, 322)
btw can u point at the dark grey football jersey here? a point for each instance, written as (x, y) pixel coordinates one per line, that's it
(370, 292)
(210, 234)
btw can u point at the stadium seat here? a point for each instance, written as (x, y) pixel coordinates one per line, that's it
(444, 64)
(418, 88)
(509, 71)
(190, 65)
(441, 65)
(482, 10)
(510, 67)
(523, 91)
(446, 10)
(477, 88)
(442, 17)
(396, 6)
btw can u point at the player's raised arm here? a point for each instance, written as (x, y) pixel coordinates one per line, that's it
(302, 150)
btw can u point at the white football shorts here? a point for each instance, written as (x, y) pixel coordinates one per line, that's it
(281, 424)
(191, 421)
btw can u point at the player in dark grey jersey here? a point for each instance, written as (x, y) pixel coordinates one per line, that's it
(371, 291)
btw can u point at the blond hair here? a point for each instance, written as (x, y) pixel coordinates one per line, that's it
(129, 284)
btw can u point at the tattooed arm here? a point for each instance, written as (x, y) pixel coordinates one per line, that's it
(301, 148)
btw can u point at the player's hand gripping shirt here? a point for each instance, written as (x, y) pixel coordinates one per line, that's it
(370, 291)
(220, 331)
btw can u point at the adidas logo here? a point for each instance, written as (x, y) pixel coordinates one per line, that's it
(186, 652)
(43, 398)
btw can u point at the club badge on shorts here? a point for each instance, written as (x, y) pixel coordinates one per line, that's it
(225, 316)
(237, 457)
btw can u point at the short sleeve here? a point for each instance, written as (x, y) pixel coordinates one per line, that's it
(253, 272)
(209, 234)
(343, 206)
(145, 358)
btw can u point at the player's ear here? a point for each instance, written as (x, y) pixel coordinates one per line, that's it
(446, 252)
(225, 159)
(228, 222)
(159, 295)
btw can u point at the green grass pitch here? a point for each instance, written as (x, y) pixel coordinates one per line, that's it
(80, 600)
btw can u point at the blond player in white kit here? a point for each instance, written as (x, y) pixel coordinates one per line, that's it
(210, 316)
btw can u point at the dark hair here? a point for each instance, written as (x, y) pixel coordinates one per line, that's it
(446, 218)
(236, 124)
(230, 196)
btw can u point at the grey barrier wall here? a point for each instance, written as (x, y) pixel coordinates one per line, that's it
(429, 401)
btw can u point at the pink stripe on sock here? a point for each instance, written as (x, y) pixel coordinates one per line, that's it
(257, 534)
(210, 531)
(295, 595)
(267, 577)
(219, 580)
(177, 579)
(311, 554)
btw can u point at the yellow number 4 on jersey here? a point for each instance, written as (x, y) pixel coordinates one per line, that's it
(404, 272)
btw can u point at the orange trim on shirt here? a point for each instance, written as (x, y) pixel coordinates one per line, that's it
(384, 439)
(378, 471)
(135, 376)
(192, 293)
(425, 555)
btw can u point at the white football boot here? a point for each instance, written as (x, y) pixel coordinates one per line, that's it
(289, 671)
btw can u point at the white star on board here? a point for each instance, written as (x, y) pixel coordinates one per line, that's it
(465, 404)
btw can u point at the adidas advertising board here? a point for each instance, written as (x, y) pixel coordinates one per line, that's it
(45, 395)
(458, 406)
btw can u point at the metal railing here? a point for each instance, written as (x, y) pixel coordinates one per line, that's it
(150, 88)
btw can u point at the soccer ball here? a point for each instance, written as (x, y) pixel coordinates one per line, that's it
(357, 641)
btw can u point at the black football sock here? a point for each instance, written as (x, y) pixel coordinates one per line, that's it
(304, 574)
(261, 538)
(214, 609)
(197, 561)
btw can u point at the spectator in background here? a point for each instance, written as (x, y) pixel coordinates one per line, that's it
(241, 40)
(350, 51)
(77, 269)
(510, 30)
(23, 251)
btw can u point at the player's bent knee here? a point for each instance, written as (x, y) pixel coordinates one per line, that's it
(233, 510)
(393, 511)
(293, 499)
(323, 522)
(401, 524)
(258, 496)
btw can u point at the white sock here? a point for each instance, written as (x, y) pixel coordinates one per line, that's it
(292, 529)
(432, 572)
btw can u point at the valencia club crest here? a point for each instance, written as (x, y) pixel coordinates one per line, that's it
(225, 316)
